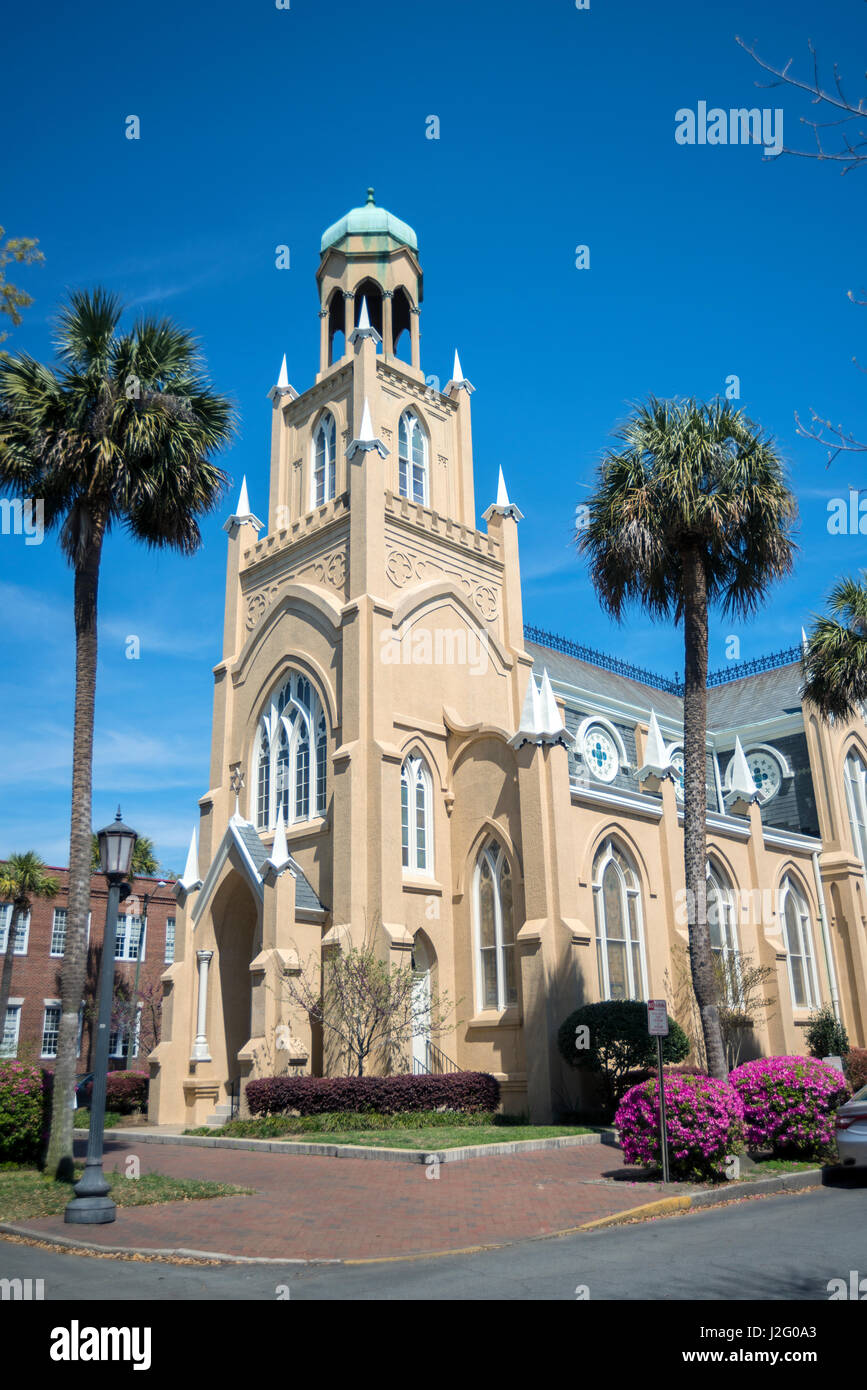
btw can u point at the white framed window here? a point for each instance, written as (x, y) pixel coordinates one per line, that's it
(495, 928)
(290, 755)
(412, 458)
(50, 1030)
(11, 1029)
(170, 940)
(324, 470)
(416, 815)
(58, 932)
(118, 1038)
(129, 940)
(22, 930)
(855, 782)
(722, 926)
(800, 956)
(619, 926)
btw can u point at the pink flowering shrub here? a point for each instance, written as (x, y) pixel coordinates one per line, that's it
(21, 1111)
(789, 1104)
(705, 1122)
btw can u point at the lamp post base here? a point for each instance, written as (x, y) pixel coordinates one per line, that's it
(90, 1211)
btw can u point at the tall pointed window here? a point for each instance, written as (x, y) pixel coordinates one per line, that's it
(412, 458)
(287, 777)
(324, 461)
(619, 931)
(723, 929)
(855, 780)
(495, 929)
(798, 933)
(416, 821)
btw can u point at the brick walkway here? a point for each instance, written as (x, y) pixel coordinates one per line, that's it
(326, 1208)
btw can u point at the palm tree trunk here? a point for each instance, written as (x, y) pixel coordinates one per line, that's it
(695, 806)
(6, 979)
(74, 967)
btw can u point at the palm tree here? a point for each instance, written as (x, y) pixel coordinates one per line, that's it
(835, 659)
(692, 510)
(144, 861)
(121, 433)
(22, 878)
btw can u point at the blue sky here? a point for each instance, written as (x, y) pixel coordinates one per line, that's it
(260, 127)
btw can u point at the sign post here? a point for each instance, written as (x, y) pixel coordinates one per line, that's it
(657, 1027)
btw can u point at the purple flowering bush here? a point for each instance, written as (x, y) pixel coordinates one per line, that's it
(789, 1104)
(21, 1111)
(705, 1122)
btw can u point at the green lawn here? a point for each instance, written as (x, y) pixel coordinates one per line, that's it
(772, 1167)
(427, 1131)
(26, 1192)
(113, 1118)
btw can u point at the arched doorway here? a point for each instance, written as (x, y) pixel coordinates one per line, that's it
(423, 961)
(235, 917)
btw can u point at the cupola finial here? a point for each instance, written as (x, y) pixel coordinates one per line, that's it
(371, 201)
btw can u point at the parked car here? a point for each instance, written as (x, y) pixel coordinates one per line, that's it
(851, 1130)
(82, 1090)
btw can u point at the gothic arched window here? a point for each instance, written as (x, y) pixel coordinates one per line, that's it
(722, 925)
(798, 933)
(412, 458)
(855, 780)
(287, 778)
(416, 819)
(619, 930)
(495, 928)
(324, 461)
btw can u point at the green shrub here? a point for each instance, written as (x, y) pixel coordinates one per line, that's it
(826, 1036)
(855, 1065)
(618, 1043)
(22, 1111)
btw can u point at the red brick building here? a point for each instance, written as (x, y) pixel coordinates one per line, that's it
(146, 924)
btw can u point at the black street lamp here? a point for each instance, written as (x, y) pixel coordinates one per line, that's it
(91, 1205)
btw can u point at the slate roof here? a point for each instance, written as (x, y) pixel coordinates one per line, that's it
(305, 897)
(749, 700)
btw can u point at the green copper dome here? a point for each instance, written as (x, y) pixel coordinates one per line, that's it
(370, 221)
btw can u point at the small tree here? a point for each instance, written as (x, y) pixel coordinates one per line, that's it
(826, 1036)
(740, 986)
(611, 1038)
(22, 878)
(370, 1008)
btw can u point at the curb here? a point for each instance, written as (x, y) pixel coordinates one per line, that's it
(80, 1247)
(733, 1192)
(428, 1157)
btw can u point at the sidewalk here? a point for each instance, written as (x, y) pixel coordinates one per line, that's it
(351, 1209)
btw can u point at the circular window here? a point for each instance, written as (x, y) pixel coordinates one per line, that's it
(600, 754)
(766, 774)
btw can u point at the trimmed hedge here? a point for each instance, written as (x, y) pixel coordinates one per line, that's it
(464, 1091)
(125, 1091)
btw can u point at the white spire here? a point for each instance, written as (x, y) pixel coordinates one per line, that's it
(551, 724)
(459, 381)
(804, 640)
(502, 506)
(742, 785)
(191, 868)
(284, 386)
(366, 440)
(364, 329)
(540, 717)
(242, 516)
(657, 763)
(279, 856)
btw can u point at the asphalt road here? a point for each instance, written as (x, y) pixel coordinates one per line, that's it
(771, 1248)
